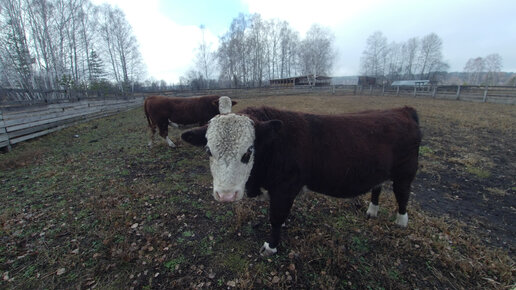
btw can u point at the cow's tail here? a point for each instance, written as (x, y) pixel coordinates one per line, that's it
(149, 121)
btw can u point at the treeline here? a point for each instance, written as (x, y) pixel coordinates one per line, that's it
(66, 44)
(422, 58)
(255, 50)
(414, 59)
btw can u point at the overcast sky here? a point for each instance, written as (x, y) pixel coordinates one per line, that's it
(168, 30)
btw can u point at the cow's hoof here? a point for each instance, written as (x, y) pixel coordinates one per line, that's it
(170, 143)
(402, 220)
(372, 211)
(264, 196)
(266, 251)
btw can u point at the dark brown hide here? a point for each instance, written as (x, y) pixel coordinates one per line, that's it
(338, 155)
(159, 110)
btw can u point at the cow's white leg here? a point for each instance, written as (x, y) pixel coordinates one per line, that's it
(170, 143)
(267, 251)
(151, 139)
(173, 124)
(264, 196)
(372, 211)
(402, 219)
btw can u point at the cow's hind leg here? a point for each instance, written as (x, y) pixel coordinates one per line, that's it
(163, 132)
(372, 211)
(152, 134)
(401, 190)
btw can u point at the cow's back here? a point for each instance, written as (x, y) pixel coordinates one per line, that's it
(340, 154)
(182, 110)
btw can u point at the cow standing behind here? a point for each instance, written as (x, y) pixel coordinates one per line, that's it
(283, 152)
(162, 111)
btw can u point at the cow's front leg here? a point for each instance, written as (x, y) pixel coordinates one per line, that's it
(279, 210)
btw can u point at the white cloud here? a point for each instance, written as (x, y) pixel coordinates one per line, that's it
(168, 49)
(302, 14)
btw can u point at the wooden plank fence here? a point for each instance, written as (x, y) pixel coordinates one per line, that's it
(20, 122)
(491, 94)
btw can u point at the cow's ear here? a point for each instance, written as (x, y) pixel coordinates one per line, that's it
(268, 130)
(196, 137)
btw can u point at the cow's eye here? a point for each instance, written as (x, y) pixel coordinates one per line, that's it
(247, 155)
(207, 149)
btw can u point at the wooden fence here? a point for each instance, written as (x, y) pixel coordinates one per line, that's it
(23, 120)
(492, 94)
(20, 121)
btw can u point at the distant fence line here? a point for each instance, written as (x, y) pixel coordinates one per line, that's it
(492, 94)
(24, 120)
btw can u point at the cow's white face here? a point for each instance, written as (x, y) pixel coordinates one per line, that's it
(230, 140)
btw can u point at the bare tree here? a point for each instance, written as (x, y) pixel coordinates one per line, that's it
(289, 42)
(430, 55)
(409, 53)
(205, 59)
(475, 67)
(316, 52)
(395, 62)
(15, 55)
(374, 57)
(254, 50)
(493, 64)
(120, 44)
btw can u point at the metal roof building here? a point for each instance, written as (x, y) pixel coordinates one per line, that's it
(411, 83)
(302, 81)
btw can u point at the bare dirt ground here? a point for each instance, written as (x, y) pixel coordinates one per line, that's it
(92, 206)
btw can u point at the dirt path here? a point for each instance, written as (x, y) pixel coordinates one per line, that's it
(474, 182)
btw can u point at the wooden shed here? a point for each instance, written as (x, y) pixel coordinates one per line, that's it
(307, 80)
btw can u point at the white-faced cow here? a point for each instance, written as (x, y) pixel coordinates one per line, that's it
(162, 111)
(282, 152)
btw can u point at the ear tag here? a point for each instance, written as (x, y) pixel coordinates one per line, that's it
(225, 105)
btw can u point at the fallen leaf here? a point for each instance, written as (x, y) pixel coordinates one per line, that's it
(231, 284)
(60, 271)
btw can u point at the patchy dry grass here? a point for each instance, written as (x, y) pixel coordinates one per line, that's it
(102, 210)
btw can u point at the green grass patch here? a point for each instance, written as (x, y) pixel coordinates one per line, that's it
(478, 172)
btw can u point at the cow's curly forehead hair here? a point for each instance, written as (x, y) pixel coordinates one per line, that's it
(228, 134)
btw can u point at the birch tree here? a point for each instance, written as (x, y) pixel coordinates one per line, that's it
(374, 56)
(15, 55)
(316, 52)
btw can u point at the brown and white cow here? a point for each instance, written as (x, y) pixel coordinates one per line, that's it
(283, 152)
(162, 111)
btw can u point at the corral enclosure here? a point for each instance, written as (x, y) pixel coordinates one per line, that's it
(103, 210)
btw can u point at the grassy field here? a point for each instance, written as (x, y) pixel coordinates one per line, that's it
(93, 206)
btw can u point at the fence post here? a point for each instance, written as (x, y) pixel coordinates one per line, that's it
(415, 91)
(4, 137)
(485, 94)
(458, 92)
(434, 91)
(383, 90)
(397, 91)
(370, 90)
